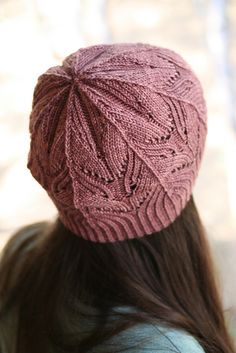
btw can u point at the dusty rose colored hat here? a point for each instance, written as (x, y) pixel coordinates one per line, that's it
(117, 136)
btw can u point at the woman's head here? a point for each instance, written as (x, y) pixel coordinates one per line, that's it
(117, 137)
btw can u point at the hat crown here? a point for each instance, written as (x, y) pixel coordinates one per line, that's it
(117, 136)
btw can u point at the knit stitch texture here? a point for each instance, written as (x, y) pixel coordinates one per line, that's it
(117, 137)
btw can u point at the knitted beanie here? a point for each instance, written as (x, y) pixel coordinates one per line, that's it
(117, 137)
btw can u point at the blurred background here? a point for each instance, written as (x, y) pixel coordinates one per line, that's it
(37, 34)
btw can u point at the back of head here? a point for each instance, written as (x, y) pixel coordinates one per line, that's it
(117, 137)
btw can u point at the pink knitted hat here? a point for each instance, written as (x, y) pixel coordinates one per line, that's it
(117, 136)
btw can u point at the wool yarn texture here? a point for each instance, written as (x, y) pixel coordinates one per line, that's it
(117, 137)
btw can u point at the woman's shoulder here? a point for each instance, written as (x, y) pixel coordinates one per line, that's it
(145, 337)
(152, 338)
(178, 340)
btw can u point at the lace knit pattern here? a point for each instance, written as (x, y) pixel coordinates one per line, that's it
(117, 137)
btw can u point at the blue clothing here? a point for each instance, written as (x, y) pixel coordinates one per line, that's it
(143, 337)
(149, 339)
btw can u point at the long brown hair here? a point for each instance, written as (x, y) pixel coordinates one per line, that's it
(168, 275)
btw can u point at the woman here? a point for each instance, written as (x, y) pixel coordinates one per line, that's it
(117, 137)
